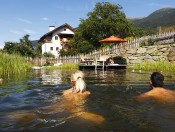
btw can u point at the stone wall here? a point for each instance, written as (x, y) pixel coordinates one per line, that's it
(150, 54)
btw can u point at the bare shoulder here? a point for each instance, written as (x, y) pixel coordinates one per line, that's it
(158, 94)
(66, 92)
(87, 92)
(144, 96)
(69, 91)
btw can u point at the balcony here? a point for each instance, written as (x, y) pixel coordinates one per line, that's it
(46, 41)
(65, 40)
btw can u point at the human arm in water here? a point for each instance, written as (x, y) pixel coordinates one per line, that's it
(71, 91)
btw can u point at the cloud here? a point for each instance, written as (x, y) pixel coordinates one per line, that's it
(28, 31)
(16, 32)
(160, 5)
(24, 20)
(45, 18)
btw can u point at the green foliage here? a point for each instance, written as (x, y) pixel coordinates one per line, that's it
(11, 47)
(13, 64)
(105, 20)
(117, 60)
(37, 51)
(67, 66)
(79, 44)
(24, 48)
(156, 66)
(143, 43)
(67, 52)
(160, 18)
(150, 42)
(48, 54)
(48, 63)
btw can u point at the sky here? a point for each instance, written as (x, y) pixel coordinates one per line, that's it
(33, 17)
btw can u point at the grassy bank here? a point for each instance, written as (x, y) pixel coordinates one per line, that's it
(66, 66)
(155, 66)
(12, 64)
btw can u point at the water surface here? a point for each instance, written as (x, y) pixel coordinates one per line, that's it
(35, 103)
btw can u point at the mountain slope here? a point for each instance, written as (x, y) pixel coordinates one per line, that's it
(163, 17)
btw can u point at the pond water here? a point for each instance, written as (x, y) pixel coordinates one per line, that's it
(35, 103)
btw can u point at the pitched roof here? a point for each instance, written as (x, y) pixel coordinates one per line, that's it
(50, 32)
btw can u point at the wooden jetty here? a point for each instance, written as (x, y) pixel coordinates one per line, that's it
(103, 67)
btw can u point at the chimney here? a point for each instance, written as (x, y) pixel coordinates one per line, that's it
(51, 28)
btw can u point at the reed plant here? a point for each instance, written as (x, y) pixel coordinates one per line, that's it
(65, 66)
(155, 66)
(11, 64)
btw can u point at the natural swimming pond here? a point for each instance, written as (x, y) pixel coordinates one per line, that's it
(35, 103)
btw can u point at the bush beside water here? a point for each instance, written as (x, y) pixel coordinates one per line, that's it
(156, 66)
(13, 64)
(66, 66)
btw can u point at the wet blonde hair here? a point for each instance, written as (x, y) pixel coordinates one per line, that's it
(80, 84)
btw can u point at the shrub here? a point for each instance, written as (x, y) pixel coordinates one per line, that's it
(150, 42)
(13, 64)
(117, 60)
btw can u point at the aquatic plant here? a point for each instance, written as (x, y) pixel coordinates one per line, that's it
(155, 66)
(13, 64)
(67, 66)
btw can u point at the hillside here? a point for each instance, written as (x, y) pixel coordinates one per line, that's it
(164, 17)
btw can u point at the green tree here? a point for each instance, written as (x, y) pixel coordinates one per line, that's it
(11, 47)
(80, 45)
(105, 20)
(25, 47)
(37, 52)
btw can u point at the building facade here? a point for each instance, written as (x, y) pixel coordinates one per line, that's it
(56, 39)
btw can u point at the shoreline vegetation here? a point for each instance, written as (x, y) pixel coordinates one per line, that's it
(155, 66)
(11, 64)
(65, 66)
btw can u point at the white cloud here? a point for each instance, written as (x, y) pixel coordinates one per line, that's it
(24, 20)
(28, 31)
(160, 5)
(16, 32)
(45, 18)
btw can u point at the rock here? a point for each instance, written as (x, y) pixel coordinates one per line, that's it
(36, 68)
(151, 50)
(171, 56)
(132, 58)
(135, 61)
(131, 51)
(141, 50)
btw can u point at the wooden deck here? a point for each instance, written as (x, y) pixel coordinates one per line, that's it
(103, 67)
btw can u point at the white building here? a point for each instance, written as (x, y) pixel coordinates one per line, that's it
(57, 39)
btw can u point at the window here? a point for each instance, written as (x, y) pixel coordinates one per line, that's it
(64, 29)
(57, 48)
(56, 37)
(51, 48)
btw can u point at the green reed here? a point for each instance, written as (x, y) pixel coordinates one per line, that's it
(13, 64)
(155, 66)
(66, 66)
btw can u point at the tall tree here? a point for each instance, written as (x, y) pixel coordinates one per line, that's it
(25, 47)
(11, 47)
(105, 20)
